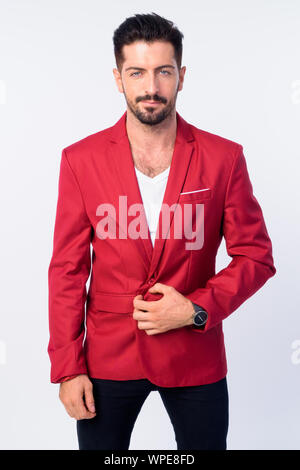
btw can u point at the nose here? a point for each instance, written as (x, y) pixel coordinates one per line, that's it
(151, 85)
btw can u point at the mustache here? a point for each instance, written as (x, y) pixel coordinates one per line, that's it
(149, 98)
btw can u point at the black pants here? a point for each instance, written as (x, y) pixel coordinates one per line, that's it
(198, 413)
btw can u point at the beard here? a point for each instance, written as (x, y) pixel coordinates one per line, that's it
(151, 116)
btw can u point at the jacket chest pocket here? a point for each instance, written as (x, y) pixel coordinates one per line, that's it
(198, 195)
(189, 217)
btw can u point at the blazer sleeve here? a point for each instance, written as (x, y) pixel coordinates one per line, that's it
(247, 243)
(65, 379)
(68, 273)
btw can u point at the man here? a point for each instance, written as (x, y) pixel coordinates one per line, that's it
(154, 195)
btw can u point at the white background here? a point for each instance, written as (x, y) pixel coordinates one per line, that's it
(56, 87)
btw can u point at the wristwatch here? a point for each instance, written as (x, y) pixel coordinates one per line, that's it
(200, 316)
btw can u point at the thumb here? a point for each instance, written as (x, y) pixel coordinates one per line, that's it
(159, 288)
(89, 399)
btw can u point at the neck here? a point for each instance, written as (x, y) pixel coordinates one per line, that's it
(151, 138)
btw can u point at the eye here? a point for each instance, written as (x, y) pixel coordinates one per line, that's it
(166, 71)
(134, 73)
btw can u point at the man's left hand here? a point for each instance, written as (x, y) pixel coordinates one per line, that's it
(172, 311)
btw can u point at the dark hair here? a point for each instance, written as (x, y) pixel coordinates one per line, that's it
(149, 28)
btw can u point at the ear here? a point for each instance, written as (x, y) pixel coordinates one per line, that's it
(181, 77)
(118, 80)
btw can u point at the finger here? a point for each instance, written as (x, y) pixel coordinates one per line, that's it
(140, 315)
(146, 325)
(144, 304)
(139, 296)
(139, 310)
(69, 410)
(153, 332)
(80, 411)
(160, 288)
(89, 398)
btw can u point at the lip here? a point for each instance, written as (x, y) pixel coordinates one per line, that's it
(151, 102)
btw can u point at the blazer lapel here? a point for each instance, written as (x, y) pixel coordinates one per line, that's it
(122, 157)
(182, 154)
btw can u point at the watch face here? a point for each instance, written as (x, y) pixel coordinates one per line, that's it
(200, 318)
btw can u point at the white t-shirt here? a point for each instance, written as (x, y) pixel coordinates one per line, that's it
(152, 191)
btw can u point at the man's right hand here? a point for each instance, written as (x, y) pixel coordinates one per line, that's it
(77, 397)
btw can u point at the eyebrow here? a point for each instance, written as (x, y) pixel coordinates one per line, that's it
(157, 68)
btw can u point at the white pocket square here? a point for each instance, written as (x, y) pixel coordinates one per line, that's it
(196, 191)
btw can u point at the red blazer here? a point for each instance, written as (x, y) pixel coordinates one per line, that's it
(212, 172)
